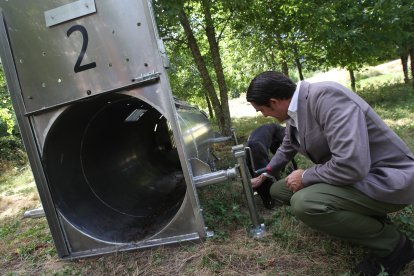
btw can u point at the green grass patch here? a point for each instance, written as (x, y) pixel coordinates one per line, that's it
(224, 208)
(17, 180)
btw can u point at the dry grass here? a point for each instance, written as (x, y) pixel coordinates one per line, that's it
(289, 248)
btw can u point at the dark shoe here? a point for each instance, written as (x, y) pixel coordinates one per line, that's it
(402, 255)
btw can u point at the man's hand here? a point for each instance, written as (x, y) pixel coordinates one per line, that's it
(294, 181)
(257, 181)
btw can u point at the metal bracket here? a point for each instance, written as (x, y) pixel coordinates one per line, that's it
(147, 77)
(69, 12)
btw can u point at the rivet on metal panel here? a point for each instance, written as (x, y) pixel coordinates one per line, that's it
(88, 92)
(59, 80)
(43, 84)
(110, 64)
(43, 53)
(139, 24)
(21, 61)
(127, 59)
(146, 64)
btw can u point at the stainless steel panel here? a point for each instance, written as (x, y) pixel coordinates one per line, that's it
(119, 46)
(110, 177)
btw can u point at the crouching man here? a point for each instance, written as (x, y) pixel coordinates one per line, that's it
(362, 171)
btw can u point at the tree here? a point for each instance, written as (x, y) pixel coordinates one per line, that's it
(199, 20)
(280, 28)
(406, 43)
(358, 33)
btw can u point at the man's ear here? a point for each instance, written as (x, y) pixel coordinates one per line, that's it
(273, 101)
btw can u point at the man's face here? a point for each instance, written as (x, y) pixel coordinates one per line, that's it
(276, 109)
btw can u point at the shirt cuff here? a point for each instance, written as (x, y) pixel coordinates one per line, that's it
(303, 173)
(267, 175)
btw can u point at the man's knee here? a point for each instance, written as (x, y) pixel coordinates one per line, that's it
(307, 205)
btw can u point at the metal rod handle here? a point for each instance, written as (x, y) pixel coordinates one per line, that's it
(258, 229)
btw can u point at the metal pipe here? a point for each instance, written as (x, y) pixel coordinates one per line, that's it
(234, 135)
(35, 213)
(214, 177)
(258, 229)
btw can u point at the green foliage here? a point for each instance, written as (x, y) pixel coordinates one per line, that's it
(365, 74)
(11, 149)
(404, 221)
(255, 36)
(223, 208)
(353, 35)
(7, 120)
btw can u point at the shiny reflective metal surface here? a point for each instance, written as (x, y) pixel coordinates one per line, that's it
(125, 177)
(108, 145)
(197, 132)
(115, 42)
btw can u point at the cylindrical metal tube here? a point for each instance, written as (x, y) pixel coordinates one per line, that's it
(214, 177)
(35, 213)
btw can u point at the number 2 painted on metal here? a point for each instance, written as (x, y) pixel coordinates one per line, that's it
(78, 67)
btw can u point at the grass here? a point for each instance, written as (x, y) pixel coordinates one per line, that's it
(289, 248)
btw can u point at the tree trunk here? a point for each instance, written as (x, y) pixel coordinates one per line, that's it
(210, 109)
(412, 64)
(285, 67)
(201, 66)
(224, 116)
(273, 60)
(352, 76)
(298, 64)
(404, 63)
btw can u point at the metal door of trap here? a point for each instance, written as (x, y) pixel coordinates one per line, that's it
(100, 125)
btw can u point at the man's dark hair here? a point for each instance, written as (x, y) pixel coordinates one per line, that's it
(270, 84)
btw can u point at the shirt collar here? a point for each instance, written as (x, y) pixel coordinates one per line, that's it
(293, 107)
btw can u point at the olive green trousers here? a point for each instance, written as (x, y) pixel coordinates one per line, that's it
(343, 212)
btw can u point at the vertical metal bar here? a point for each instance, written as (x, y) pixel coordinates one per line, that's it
(248, 151)
(258, 229)
(233, 133)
